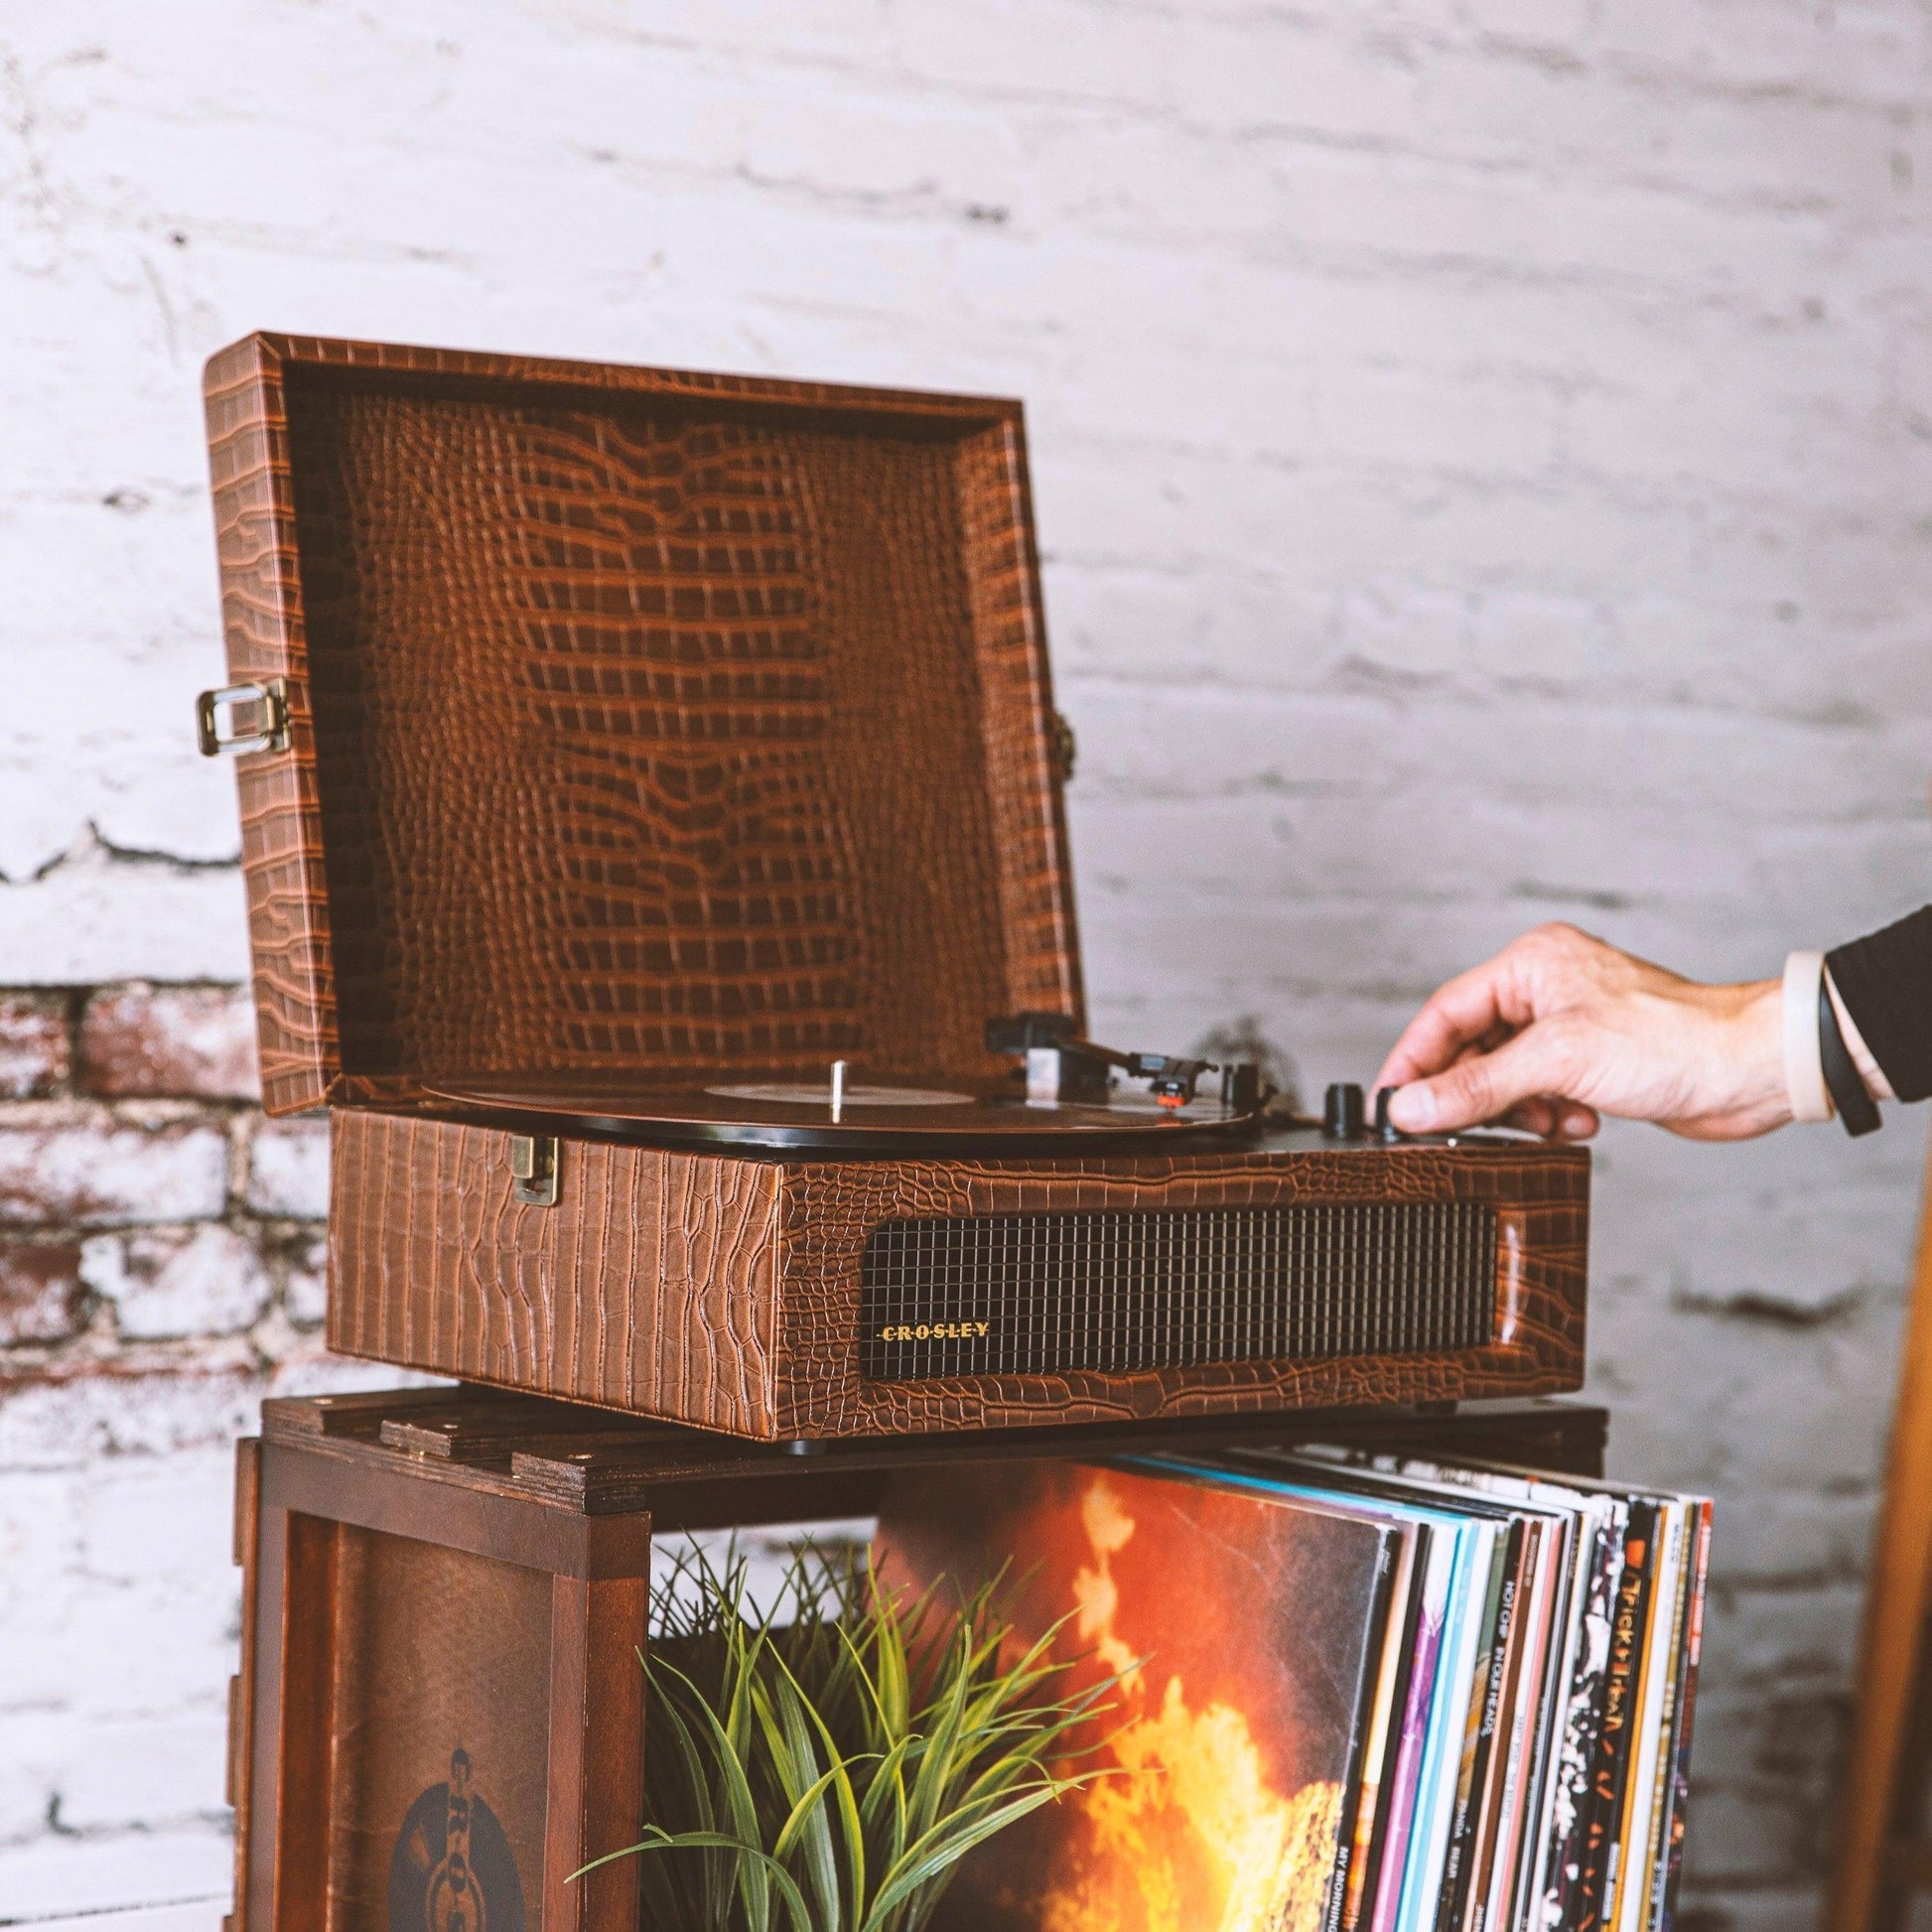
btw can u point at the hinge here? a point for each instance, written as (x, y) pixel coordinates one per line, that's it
(533, 1169)
(1064, 748)
(267, 730)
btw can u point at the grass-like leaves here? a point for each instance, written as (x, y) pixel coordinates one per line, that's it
(828, 1774)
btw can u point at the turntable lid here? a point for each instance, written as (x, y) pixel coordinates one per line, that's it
(634, 719)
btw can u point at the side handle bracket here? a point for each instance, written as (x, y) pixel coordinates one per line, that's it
(258, 718)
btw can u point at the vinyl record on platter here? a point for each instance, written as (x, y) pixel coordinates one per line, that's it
(884, 1115)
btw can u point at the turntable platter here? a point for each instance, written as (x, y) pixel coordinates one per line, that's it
(803, 1093)
(878, 1116)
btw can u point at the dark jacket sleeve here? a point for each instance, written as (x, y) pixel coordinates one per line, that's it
(1885, 982)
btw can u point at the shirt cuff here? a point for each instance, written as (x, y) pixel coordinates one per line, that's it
(1869, 1071)
(1804, 1063)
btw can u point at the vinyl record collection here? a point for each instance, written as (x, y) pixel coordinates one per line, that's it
(1352, 1690)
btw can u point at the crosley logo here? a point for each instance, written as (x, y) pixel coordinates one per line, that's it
(936, 1331)
(452, 1869)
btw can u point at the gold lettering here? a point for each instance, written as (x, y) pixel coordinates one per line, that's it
(936, 1331)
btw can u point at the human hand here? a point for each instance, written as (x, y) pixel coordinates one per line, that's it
(1560, 1028)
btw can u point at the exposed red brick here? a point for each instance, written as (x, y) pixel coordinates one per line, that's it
(190, 1041)
(40, 1290)
(33, 1044)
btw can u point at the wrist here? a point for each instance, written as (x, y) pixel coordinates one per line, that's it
(1757, 1047)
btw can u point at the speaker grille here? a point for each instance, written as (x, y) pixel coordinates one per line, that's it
(1119, 1290)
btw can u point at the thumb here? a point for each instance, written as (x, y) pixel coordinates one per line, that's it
(1474, 1090)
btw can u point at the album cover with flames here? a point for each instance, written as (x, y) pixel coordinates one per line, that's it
(1247, 1630)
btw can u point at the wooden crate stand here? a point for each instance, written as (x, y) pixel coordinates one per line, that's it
(444, 1601)
(395, 1624)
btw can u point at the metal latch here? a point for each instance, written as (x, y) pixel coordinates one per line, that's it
(264, 728)
(533, 1169)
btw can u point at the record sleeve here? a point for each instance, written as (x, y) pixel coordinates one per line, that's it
(1648, 1876)
(1506, 1749)
(1615, 1739)
(1520, 1717)
(1245, 1630)
(1479, 1733)
(1555, 1853)
(1671, 1868)
(1409, 1658)
(1631, 1900)
(1428, 1725)
(1548, 1688)
(1466, 1662)
(1403, 1656)
(1540, 1694)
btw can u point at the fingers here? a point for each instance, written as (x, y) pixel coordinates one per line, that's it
(1486, 1088)
(1538, 1115)
(1553, 1118)
(1463, 1012)
(1550, 1117)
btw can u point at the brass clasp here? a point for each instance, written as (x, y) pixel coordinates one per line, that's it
(533, 1169)
(266, 730)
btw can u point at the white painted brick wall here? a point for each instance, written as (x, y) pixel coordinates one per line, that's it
(1483, 453)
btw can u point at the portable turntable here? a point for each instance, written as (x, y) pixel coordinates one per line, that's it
(653, 837)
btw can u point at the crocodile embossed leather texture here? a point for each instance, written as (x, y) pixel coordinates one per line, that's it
(639, 720)
(724, 1292)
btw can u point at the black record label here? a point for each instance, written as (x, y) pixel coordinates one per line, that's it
(452, 1869)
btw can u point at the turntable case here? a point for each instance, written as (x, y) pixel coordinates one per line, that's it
(820, 1299)
(629, 719)
(618, 719)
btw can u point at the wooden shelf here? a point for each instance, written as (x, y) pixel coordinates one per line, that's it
(599, 1464)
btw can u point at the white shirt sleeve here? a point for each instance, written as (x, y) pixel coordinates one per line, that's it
(1804, 1063)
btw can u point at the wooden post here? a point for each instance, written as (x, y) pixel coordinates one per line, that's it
(1880, 1846)
(597, 1750)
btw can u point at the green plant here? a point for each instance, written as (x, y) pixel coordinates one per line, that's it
(827, 1776)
